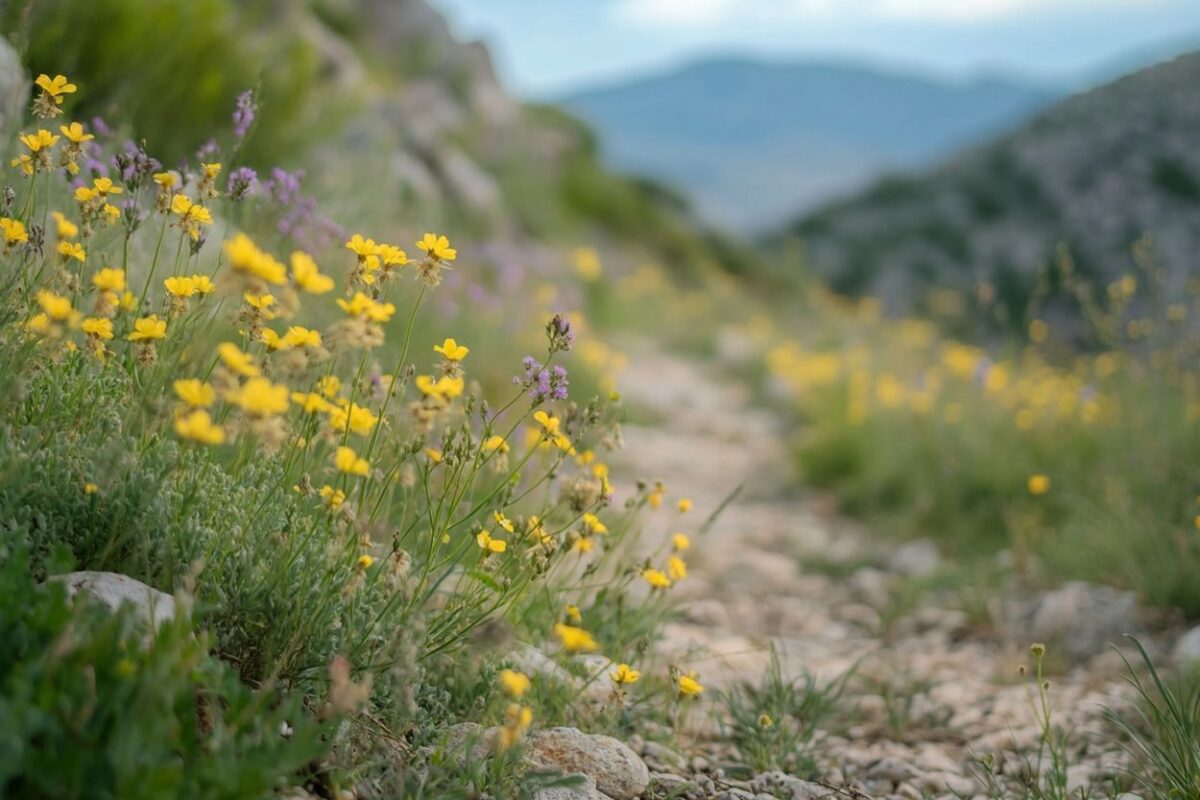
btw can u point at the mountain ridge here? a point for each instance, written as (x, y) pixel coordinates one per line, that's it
(1091, 175)
(752, 141)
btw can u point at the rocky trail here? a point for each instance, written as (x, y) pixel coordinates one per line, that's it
(933, 690)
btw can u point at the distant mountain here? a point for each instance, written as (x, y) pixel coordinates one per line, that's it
(753, 143)
(1095, 173)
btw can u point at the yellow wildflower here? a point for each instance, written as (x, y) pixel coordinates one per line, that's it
(656, 578)
(504, 522)
(98, 327)
(180, 286)
(311, 402)
(40, 324)
(72, 250)
(676, 568)
(593, 524)
(1038, 485)
(246, 257)
(655, 498)
(75, 133)
(329, 385)
(194, 392)
(272, 340)
(514, 684)
(363, 248)
(332, 497)
(103, 187)
(689, 686)
(39, 141)
(109, 280)
(148, 328)
(445, 388)
(198, 426)
(362, 306)
(624, 675)
(347, 461)
(308, 276)
(437, 247)
(392, 256)
(14, 231)
(352, 417)
(191, 215)
(587, 263)
(489, 543)
(260, 398)
(299, 336)
(575, 639)
(240, 362)
(684, 505)
(55, 88)
(495, 444)
(57, 307)
(517, 719)
(452, 350)
(365, 561)
(680, 542)
(64, 228)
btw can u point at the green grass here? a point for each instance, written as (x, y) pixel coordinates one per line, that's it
(375, 574)
(94, 705)
(924, 436)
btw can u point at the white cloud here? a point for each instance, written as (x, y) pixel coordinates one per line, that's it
(714, 13)
(981, 10)
(691, 13)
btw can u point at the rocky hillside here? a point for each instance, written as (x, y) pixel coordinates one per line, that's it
(381, 106)
(451, 143)
(1095, 172)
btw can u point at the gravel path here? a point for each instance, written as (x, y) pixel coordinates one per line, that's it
(934, 690)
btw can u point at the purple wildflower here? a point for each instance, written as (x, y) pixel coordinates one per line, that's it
(242, 182)
(299, 218)
(543, 384)
(558, 331)
(243, 114)
(284, 186)
(208, 151)
(134, 164)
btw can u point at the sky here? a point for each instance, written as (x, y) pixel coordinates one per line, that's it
(548, 48)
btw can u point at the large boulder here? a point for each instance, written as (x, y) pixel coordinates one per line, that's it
(116, 591)
(617, 770)
(1081, 619)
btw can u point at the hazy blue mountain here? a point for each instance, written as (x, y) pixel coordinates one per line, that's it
(1092, 175)
(752, 143)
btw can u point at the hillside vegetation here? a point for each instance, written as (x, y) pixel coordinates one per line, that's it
(1085, 181)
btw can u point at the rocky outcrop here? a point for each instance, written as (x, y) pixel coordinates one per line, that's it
(1095, 173)
(617, 770)
(116, 591)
